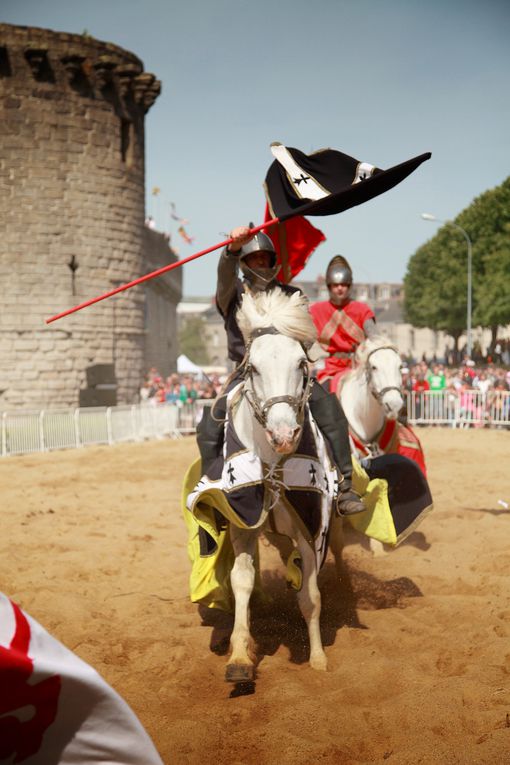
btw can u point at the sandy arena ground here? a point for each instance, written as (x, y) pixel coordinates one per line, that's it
(93, 546)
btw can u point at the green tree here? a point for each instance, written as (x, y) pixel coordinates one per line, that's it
(192, 340)
(493, 292)
(435, 287)
(488, 219)
(436, 280)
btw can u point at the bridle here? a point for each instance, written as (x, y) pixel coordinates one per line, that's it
(379, 394)
(261, 409)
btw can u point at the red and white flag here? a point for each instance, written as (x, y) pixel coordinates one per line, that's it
(54, 708)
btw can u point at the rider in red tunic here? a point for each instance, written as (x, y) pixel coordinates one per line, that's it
(342, 323)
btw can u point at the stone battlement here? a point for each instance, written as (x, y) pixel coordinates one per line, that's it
(92, 68)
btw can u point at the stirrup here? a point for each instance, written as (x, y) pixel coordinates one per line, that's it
(349, 503)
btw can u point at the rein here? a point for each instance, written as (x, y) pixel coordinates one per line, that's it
(261, 409)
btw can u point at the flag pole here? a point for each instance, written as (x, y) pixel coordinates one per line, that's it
(153, 274)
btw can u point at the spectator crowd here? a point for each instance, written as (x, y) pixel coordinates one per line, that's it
(177, 388)
(436, 377)
(476, 388)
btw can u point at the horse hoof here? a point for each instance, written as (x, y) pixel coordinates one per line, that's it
(239, 673)
(319, 663)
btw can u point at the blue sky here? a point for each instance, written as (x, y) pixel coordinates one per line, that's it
(381, 80)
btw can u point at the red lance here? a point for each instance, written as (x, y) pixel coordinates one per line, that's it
(153, 274)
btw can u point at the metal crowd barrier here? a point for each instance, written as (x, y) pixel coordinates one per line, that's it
(25, 432)
(463, 409)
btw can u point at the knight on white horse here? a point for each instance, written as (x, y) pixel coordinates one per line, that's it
(342, 323)
(277, 474)
(370, 395)
(256, 258)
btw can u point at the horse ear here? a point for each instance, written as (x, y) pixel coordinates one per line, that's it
(315, 352)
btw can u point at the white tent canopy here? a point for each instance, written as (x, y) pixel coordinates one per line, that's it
(186, 366)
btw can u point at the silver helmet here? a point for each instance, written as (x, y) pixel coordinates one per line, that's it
(338, 271)
(259, 278)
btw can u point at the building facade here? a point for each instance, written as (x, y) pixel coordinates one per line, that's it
(72, 172)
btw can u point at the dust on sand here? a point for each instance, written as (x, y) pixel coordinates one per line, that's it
(93, 546)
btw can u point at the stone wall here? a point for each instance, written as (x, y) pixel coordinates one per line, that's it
(161, 297)
(72, 206)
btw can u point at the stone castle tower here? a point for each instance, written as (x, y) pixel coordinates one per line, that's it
(72, 206)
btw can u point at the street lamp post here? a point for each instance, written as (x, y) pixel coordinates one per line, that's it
(469, 343)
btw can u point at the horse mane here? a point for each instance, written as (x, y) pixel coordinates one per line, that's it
(288, 314)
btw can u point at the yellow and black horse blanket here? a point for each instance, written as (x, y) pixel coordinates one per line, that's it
(243, 490)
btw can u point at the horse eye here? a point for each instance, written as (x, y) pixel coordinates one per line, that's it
(373, 367)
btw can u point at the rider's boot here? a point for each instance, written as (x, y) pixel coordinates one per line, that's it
(210, 437)
(211, 431)
(332, 422)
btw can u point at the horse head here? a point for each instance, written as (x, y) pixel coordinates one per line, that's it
(278, 332)
(382, 366)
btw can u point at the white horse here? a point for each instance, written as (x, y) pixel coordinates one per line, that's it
(268, 419)
(370, 395)
(372, 392)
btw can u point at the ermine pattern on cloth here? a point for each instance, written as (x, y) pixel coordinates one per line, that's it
(306, 482)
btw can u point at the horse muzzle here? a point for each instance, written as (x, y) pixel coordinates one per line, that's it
(284, 440)
(392, 402)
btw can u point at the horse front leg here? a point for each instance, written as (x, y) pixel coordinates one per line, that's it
(336, 541)
(309, 599)
(241, 665)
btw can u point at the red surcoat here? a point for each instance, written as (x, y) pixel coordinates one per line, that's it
(340, 331)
